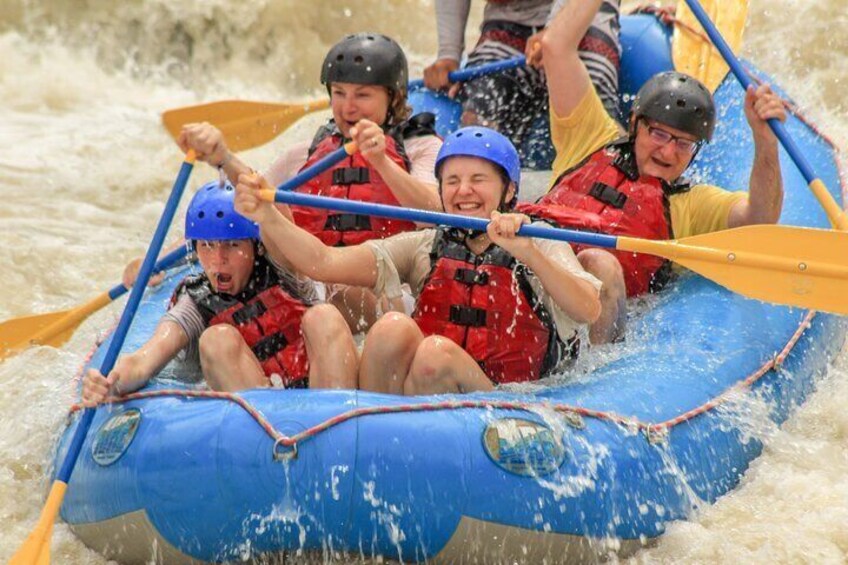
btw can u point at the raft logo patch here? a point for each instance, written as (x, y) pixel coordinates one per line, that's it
(115, 436)
(523, 447)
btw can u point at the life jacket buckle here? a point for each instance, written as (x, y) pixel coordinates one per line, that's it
(266, 347)
(467, 316)
(249, 312)
(347, 222)
(470, 276)
(351, 175)
(608, 195)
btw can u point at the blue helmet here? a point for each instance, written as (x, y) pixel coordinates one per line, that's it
(485, 143)
(211, 215)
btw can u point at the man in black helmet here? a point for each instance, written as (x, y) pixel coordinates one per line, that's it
(631, 185)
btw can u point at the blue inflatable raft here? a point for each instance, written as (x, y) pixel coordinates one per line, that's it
(596, 464)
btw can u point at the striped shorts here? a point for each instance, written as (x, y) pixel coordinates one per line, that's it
(515, 102)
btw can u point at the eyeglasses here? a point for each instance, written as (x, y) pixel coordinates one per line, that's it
(662, 137)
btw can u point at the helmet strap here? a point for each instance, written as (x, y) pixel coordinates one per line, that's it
(634, 129)
(503, 205)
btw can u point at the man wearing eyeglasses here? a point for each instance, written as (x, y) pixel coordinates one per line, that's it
(631, 184)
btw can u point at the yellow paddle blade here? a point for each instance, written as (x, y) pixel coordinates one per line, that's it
(244, 124)
(693, 53)
(802, 267)
(36, 548)
(14, 334)
(52, 329)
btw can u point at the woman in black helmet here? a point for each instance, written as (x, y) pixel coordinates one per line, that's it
(366, 78)
(632, 185)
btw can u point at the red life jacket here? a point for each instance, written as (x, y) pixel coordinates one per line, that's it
(485, 304)
(606, 194)
(266, 314)
(354, 179)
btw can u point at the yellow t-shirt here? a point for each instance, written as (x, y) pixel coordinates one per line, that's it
(703, 209)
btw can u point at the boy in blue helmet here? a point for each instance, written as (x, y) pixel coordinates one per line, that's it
(491, 307)
(248, 321)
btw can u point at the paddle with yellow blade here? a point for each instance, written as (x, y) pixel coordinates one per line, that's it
(835, 214)
(55, 328)
(250, 124)
(787, 265)
(36, 548)
(693, 53)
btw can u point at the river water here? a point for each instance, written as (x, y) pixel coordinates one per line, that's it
(85, 169)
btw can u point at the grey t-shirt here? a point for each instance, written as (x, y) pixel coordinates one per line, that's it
(188, 317)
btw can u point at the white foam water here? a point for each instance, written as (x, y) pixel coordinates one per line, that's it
(85, 169)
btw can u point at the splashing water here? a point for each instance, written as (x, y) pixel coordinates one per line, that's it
(86, 167)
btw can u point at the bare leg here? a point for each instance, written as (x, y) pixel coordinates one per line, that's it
(441, 366)
(610, 326)
(228, 363)
(333, 361)
(358, 306)
(389, 349)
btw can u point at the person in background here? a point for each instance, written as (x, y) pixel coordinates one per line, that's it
(247, 320)
(631, 183)
(366, 78)
(490, 307)
(512, 101)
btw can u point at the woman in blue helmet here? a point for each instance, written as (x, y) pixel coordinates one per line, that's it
(490, 307)
(246, 320)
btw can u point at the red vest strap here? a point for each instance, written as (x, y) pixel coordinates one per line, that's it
(606, 194)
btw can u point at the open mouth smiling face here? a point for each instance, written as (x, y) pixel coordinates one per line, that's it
(471, 187)
(662, 151)
(354, 102)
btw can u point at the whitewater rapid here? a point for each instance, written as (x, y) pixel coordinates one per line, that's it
(85, 168)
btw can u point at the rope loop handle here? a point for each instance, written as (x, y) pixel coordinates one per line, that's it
(284, 450)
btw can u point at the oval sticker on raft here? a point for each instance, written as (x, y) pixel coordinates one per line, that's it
(115, 436)
(523, 447)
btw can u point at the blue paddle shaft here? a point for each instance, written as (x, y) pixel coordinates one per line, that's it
(474, 72)
(129, 313)
(438, 218)
(178, 254)
(164, 264)
(322, 165)
(746, 81)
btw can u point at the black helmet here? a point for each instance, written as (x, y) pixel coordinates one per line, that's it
(366, 58)
(679, 101)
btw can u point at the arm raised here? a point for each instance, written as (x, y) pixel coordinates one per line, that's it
(289, 244)
(568, 79)
(577, 297)
(765, 191)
